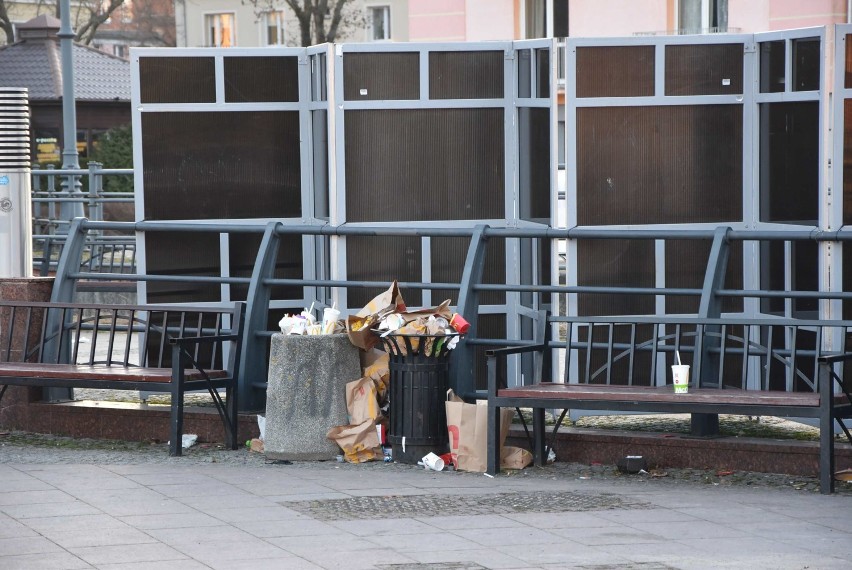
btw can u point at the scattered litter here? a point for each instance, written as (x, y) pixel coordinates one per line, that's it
(843, 475)
(551, 456)
(724, 473)
(659, 473)
(632, 464)
(489, 476)
(261, 425)
(256, 445)
(188, 440)
(642, 472)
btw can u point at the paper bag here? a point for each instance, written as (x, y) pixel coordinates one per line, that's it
(467, 425)
(359, 442)
(362, 400)
(359, 333)
(376, 365)
(515, 457)
(385, 303)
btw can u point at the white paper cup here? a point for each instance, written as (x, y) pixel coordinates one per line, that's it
(329, 319)
(680, 373)
(433, 462)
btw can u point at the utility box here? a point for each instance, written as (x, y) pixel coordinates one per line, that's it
(16, 255)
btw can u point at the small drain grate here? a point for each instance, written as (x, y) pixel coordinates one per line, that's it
(407, 506)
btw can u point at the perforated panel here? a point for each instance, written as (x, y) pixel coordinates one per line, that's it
(615, 71)
(261, 79)
(177, 80)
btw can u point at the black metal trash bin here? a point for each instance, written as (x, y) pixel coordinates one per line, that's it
(419, 378)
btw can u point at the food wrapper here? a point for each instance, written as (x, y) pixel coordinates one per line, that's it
(375, 364)
(359, 442)
(385, 303)
(362, 401)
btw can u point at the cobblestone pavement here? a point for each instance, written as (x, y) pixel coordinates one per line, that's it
(67, 504)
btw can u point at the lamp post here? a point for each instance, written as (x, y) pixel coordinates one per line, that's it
(70, 156)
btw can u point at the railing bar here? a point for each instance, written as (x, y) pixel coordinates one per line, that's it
(611, 333)
(589, 340)
(568, 350)
(632, 357)
(768, 358)
(654, 352)
(723, 346)
(131, 319)
(95, 328)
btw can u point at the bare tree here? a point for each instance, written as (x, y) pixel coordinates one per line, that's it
(320, 21)
(89, 16)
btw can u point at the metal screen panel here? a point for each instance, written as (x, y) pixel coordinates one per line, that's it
(242, 255)
(383, 259)
(715, 69)
(424, 164)
(261, 79)
(534, 141)
(806, 64)
(789, 162)
(381, 76)
(772, 66)
(447, 264)
(628, 263)
(615, 71)
(659, 165)
(686, 264)
(253, 170)
(466, 74)
(195, 254)
(177, 80)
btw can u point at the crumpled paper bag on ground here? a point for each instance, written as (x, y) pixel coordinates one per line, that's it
(359, 442)
(515, 457)
(467, 425)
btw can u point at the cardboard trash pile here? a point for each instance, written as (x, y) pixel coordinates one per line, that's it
(364, 439)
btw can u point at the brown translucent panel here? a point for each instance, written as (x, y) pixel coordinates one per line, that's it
(659, 165)
(847, 286)
(847, 161)
(261, 79)
(177, 80)
(242, 256)
(182, 253)
(253, 170)
(615, 71)
(447, 264)
(381, 76)
(804, 276)
(806, 64)
(714, 69)
(424, 164)
(524, 73)
(686, 266)
(534, 163)
(789, 162)
(848, 69)
(383, 259)
(542, 60)
(772, 66)
(466, 74)
(615, 263)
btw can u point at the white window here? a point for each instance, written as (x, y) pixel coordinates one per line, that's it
(380, 24)
(219, 30)
(272, 28)
(702, 16)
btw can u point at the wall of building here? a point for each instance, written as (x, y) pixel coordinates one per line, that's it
(612, 18)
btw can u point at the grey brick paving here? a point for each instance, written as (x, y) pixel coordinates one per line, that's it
(135, 509)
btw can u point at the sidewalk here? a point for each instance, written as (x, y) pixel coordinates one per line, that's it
(137, 508)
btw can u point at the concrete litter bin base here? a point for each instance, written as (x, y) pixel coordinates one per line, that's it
(306, 396)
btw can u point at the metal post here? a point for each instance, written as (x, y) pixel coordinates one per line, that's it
(70, 156)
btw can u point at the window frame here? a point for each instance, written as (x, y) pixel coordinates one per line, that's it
(279, 25)
(371, 30)
(215, 18)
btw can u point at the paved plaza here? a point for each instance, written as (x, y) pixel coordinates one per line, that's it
(63, 507)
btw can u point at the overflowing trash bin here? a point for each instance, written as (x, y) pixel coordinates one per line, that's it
(419, 380)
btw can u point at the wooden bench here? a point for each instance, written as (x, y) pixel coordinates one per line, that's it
(169, 349)
(772, 367)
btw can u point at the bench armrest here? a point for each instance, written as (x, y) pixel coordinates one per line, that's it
(503, 352)
(203, 339)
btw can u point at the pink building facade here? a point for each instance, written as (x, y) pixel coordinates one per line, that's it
(477, 20)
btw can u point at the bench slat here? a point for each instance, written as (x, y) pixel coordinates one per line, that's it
(613, 393)
(97, 372)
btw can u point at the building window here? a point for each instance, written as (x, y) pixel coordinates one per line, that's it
(220, 30)
(702, 16)
(380, 24)
(272, 28)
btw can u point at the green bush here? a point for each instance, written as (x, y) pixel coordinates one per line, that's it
(115, 150)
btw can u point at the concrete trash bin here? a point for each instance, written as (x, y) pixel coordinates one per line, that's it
(419, 379)
(306, 394)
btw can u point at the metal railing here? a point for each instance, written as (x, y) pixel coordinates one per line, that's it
(58, 196)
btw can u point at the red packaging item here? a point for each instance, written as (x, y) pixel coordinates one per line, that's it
(458, 323)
